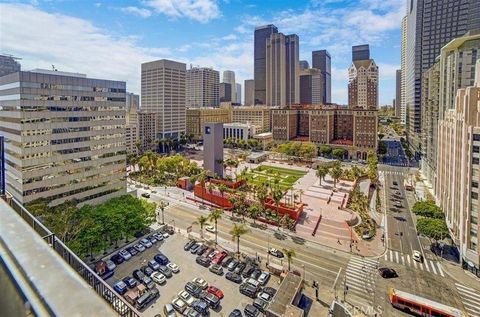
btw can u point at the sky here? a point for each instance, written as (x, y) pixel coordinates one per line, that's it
(111, 39)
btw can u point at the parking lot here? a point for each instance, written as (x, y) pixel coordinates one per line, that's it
(173, 248)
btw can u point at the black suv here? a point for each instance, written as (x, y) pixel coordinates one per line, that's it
(248, 290)
(188, 245)
(251, 311)
(239, 268)
(201, 249)
(212, 300)
(234, 277)
(260, 304)
(248, 270)
(193, 289)
(203, 261)
(138, 275)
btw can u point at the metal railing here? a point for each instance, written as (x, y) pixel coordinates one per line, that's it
(116, 302)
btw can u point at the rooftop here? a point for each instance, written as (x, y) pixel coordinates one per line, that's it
(283, 299)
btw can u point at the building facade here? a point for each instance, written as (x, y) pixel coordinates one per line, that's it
(303, 65)
(458, 166)
(363, 84)
(238, 92)
(352, 129)
(292, 68)
(261, 35)
(431, 25)
(321, 60)
(360, 52)
(202, 87)
(163, 93)
(198, 117)
(147, 131)
(213, 149)
(238, 131)
(8, 65)
(225, 92)
(398, 93)
(64, 137)
(311, 87)
(229, 78)
(403, 69)
(259, 116)
(249, 94)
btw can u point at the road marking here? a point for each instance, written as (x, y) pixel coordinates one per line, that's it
(385, 256)
(433, 267)
(391, 255)
(408, 259)
(470, 299)
(402, 258)
(396, 256)
(415, 264)
(426, 265)
(440, 269)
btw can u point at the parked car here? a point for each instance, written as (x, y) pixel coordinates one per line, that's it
(179, 305)
(161, 259)
(253, 282)
(158, 277)
(217, 259)
(248, 270)
(117, 259)
(148, 282)
(158, 236)
(270, 291)
(212, 300)
(165, 235)
(138, 274)
(188, 245)
(191, 312)
(203, 261)
(207, 252)
(213, 254)
(263, 278)
(130, 281)
(395, 183)
(146, 243)
(260, 304)
(165, 271)
(235, 313)
(210, 229)
(194, 248)
(110, 265)
(146, 195)
(240, 267)
(169, 311)
(186, 297)
(125, 255)
(216, 269)
(120, 287)
(170, 230)
(146, 270)
(152, 239)
(200, 306)
(276, 253)
(193, 289)
(265, 296)
(251, 311)
(417, 256)
(228, 259)
(200, 282)
(398, 204)
(232, 265)
(132, 251)
(201, 249)
(386, 272)
(248, 290)
(173, 267)
(256, 273)
(215, 291)
(153, 265)
(234, 277)
(139, 247)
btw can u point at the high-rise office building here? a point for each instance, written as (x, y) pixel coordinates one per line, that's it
(249, 95)
(8, 65)
(363, 84)
(69, 140)
(229, 78)
(311, 83)
(303, 65)
(403, 103)
(261, 35)
(238, 92)
(431, 25)
(360, 52)
(132, 107)
(321, 60)
(163, 93)
(225, 92)
(292, 79)
(202, 87)
(398, 93)
(213, 148)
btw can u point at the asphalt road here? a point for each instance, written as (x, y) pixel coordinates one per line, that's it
(395, 153)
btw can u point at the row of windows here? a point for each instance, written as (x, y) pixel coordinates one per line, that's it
(71, 98)
(71, 87)
(57, 108)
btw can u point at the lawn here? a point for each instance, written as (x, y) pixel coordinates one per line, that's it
(265, 173)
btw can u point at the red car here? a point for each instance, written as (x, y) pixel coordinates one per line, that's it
(215, 291)
(217, 259)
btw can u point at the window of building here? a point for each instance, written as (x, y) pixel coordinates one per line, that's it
(474, 195)
(476, 149)
(476, 137)
(475, 184)
(475, 160)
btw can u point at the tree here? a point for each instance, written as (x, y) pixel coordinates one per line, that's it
(325, 150)
(214, 216)
(336, 172)
(435, 229)
(237, 231)
(289, 254)
(162, 206)
(382, 148)
(339, 153)
(427, 209)
(210, 188)
(322, 171)
(254, 211)
(222, 188)
(381, 136)
(201, 221)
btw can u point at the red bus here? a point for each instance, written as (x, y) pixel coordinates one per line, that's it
(420, 306)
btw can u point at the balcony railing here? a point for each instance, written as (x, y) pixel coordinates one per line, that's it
(116, 302)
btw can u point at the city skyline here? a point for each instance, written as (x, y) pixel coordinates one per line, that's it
(194, 36)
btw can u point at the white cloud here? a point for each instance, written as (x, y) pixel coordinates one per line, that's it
(198, 10)
(144, 13)
(98, 4)
(387, 71)
(72, 44)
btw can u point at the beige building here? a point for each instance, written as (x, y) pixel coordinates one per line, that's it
(363, 84)
(458, 171)
(163, 93)
(147, 127)
(64, 136)
(249, 92)
(202, 87)
(259, 116)
(197, 117)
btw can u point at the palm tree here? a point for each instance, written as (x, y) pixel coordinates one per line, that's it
(162, 206)
(253, 211)
(321, 172)
(289, 254)
(214, 216)
(336, 173)
(222, 189)
(210, 188)
(201, 221)
(237, 231)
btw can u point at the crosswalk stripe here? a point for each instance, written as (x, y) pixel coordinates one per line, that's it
(385, 256)
(396, 256)
(408, 259)
(391, 255)
(468, 291)
(440, 269)
(415, 264)
(426, 266)
(433, 267)
(403, 260)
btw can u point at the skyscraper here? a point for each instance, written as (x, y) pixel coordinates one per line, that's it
(431, 25)
(322, 61)
(398, 93)
(225, 92)
(72, 146)
(163, 93)
(229, 78)
(292, 79)
(275, 70)
(8, 65)
(311, 85)
(403, 103)
(360, 52)
(261, 35)
(238, 92)
(249, 95)
(202, 87)
(303, 65)
(363, 84)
